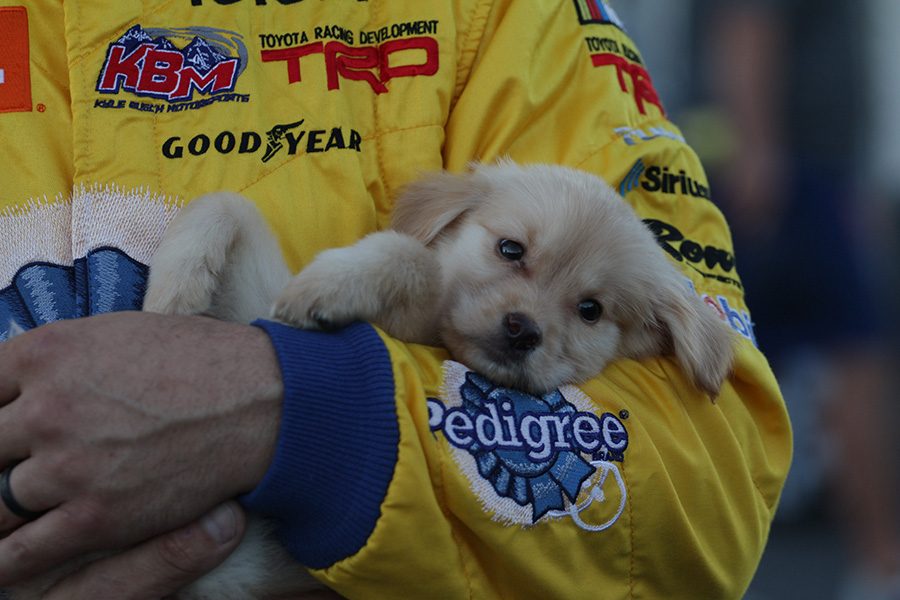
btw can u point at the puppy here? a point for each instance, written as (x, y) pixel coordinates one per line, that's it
(533, 276)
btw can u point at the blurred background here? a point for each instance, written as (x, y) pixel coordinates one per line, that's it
(794, 107)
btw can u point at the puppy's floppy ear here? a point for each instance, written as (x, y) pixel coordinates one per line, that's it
(680, 324)
(429, 206)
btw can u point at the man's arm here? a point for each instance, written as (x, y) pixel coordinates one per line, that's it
(130, 425)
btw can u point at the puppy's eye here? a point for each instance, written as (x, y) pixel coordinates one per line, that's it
(590, 310)
(511, 250)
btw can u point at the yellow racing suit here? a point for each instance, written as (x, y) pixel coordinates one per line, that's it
(400, 473)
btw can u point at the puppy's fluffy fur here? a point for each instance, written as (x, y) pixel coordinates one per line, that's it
(533, 276)
(440, 277)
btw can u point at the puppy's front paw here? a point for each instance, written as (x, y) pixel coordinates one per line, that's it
(324, 295)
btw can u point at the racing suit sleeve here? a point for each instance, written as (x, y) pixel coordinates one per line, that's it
(376, 488)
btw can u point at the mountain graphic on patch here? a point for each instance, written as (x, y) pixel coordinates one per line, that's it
(133, 38)
(201, 55)
(163, 43)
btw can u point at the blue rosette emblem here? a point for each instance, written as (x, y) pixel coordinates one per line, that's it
(516, 447)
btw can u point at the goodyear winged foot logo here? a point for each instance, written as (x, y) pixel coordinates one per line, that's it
(530, 459)
(148, 63)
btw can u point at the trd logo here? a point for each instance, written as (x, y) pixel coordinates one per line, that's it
(693, 253)
(371, 64)
(643, 90)
(147, 63)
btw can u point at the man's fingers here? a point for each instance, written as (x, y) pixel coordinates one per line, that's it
(160, 566)
(23, 489)
(44, 543)
(9, 382)
(14, 438)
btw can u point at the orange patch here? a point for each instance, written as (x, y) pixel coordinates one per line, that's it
(15, 72)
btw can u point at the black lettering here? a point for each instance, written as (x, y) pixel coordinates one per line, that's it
(631, 54)
(692, 251)
(225, 142)
(596, 44)
(198, 145)
(170, 150)
(355, 140)
(293, 141)
(666, 233)
(718, 257)
(652, 182)
(250, 142)
(335, 140)
(669, 181)
(313, 141)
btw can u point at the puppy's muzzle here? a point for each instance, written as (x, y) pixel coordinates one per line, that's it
(522, 334)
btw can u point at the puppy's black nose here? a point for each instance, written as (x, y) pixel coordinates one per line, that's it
(522, 333)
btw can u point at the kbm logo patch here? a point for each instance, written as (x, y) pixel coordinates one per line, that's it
(529, 458)
(15, 74)
(596, 11)
(147, 63)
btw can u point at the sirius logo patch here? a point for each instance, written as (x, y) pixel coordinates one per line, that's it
(147, 63)
(530, 459)
(662, 180)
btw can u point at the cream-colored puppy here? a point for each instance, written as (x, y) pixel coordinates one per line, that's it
(533, 276)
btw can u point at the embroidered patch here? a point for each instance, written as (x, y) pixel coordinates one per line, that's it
(147, 63)
(15, 68)
(85, 256)
(530, 459)
(106, 280)
(597, 11)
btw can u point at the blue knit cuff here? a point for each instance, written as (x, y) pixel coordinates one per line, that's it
(338, 443)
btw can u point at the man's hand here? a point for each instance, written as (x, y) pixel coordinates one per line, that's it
(128, 425)
(161, 566)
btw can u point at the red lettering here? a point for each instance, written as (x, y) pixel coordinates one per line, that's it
(118, 66)
(292, 57)
(159, 77)
(428, 68)
(352, 63)
(221, 78)
(644, 92)
(371, 64)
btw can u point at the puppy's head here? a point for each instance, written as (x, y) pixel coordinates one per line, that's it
(548, 275)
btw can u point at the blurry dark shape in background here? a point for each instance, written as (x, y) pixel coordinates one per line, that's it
(794, 107)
